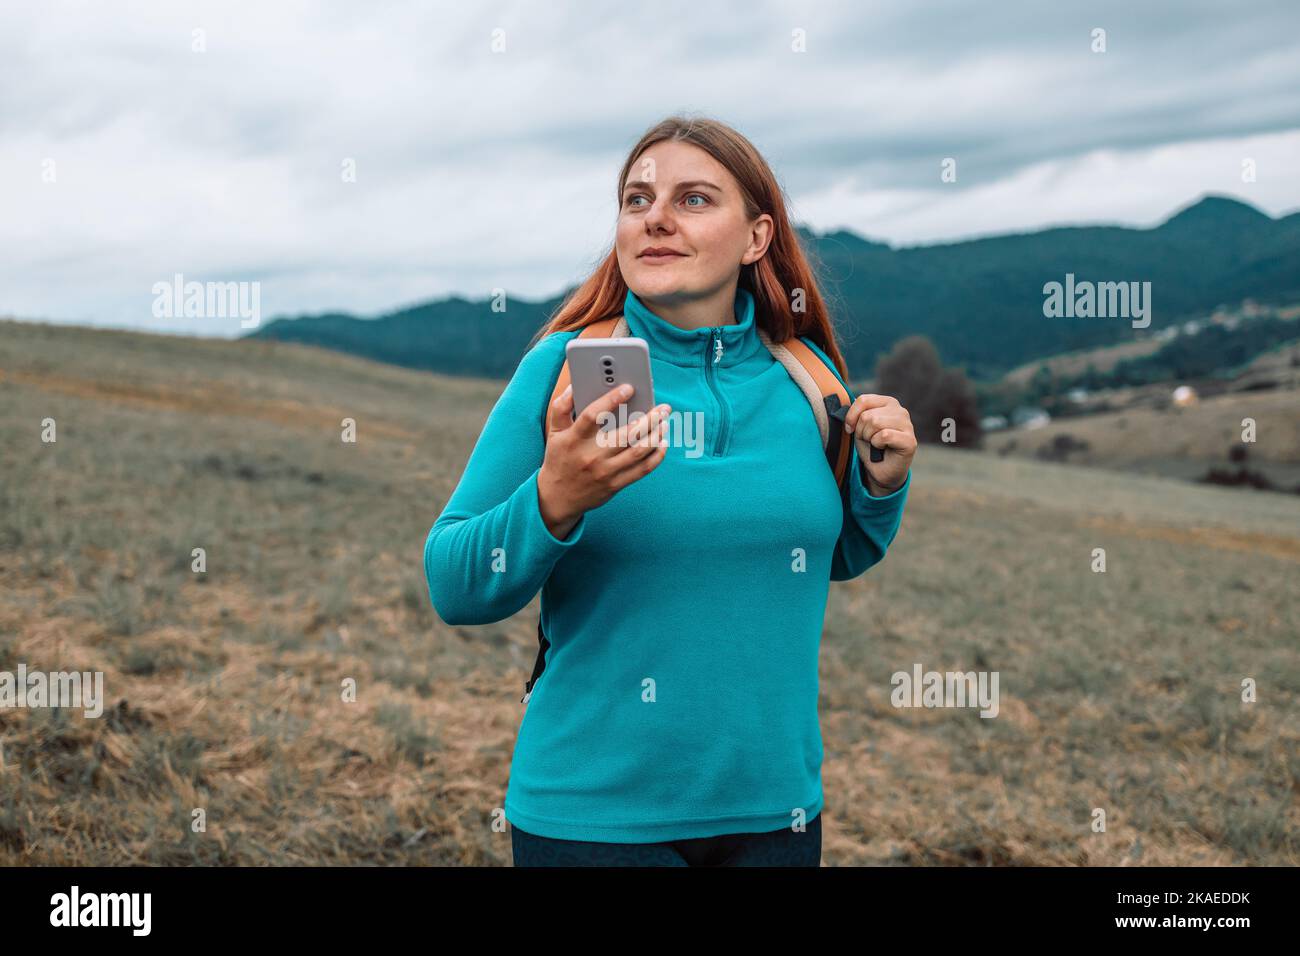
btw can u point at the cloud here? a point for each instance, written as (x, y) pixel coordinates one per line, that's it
(478, 170)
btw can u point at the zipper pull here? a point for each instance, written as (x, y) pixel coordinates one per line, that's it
(717, 345)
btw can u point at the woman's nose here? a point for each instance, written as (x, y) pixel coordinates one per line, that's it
(659, 214)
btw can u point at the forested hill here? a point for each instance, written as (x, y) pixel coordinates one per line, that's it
(980, 301)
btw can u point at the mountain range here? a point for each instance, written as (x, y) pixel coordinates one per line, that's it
(979, 300)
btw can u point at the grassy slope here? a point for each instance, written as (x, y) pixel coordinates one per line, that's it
(1103, 359)
(1178, 442)
(1119, 690)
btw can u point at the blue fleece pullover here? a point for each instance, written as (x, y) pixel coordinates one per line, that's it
(684, 615)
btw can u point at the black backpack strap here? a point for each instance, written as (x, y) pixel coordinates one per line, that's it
(837, 411)
(539, 665)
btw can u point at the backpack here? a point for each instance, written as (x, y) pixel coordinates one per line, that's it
(827, 397)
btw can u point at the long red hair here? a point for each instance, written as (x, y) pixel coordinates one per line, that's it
(774, 280)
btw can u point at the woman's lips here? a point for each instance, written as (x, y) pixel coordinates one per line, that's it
(666, 257)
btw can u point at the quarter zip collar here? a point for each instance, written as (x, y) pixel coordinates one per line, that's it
(722, 346)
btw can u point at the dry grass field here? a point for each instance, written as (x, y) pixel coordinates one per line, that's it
(1120, 690)
(1177, 442)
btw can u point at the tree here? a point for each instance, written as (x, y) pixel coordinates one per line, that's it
(913, 374)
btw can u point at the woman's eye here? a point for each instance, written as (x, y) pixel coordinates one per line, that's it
(632, 200)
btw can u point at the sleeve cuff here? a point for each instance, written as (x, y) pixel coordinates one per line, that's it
(529, 491)
(885, 501)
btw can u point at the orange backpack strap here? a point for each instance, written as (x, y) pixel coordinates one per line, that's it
(614, 327)
(826, 395)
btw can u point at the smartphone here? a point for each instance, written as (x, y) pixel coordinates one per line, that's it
(597, 365)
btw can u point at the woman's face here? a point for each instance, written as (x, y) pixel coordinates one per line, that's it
(679, 198)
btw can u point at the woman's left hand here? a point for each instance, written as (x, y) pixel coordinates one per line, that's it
(881, 421)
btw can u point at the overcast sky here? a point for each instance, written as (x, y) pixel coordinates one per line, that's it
(128, 156)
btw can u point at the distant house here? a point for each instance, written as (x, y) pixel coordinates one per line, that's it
(993, 423)
(1028, 417)
(1184, 395)
(1077, 395)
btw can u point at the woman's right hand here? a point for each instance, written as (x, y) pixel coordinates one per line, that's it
(579, 471)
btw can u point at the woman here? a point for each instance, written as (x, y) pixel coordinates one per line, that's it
(683, 589)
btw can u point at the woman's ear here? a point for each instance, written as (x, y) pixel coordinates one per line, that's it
(761, 232)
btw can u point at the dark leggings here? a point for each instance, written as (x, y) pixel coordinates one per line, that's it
(784, 847)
